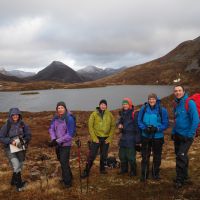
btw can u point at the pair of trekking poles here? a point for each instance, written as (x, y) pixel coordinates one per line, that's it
(78, 143)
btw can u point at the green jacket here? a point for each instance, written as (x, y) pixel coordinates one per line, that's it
(101, 127)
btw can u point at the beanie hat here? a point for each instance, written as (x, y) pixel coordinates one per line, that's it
(128, 101)
(61, 103)
(152, 95)
(103, 101)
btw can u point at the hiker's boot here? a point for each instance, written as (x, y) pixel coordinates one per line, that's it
(124, 168)
(13, 179)
(20, 185)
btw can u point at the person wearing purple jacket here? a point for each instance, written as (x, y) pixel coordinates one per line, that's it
(61, 132)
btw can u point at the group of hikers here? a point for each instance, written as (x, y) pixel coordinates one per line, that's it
(143, 128)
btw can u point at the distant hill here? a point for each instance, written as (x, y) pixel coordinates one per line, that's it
(179, 66)
(59, 72)
(4, 77)
(94, 73)
(20, 74)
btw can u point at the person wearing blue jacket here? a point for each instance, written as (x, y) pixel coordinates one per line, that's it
(152, 120)
(183, 133)
(15, 134)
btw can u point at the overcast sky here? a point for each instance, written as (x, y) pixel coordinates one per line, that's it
(104, 33)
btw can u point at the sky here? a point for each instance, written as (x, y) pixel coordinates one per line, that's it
(106, 33)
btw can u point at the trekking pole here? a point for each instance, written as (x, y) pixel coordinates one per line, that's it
(78, 143)
(89, 147)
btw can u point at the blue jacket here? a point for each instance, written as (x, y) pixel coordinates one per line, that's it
(130, 130)
(15, 129)
(152, 117)
(186, 122)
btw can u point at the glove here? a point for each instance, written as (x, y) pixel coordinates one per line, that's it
(53, 143)
(154, 129)
(148, 130)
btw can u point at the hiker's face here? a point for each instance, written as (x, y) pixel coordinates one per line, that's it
(15, 118)
(61, 110)
(178, 92)
(152, 102)
(103, 106)
(125, 106)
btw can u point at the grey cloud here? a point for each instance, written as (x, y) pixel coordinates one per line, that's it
(103, 33)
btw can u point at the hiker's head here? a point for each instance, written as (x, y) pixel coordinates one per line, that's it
(179, 91)
(61, 108)
(152, 99)
(103, 104)
(15, 114)
(127, 103)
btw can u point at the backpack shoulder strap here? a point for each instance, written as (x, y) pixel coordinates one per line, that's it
(160, 113)
(144, 110)
(8, 128)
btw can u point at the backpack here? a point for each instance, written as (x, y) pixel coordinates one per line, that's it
(112, 162)
(196, 99)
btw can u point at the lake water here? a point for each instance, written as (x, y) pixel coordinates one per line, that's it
(80, 99)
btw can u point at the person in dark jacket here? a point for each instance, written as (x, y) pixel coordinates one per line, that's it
(128, 127)
(61, 132)
(183, 133)
(152, 120)
(15, 135)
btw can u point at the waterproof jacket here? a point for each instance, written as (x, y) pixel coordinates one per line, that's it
(130, 128)
(62, 131)
(15, 129)
(101, 124)
(152, 117)
(186, 122)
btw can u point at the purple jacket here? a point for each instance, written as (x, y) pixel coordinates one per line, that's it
(61, 131)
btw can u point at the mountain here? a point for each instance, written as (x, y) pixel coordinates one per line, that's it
(20, 74)
(59, 72)
(94, 73)
(4, 77)
(179, 66)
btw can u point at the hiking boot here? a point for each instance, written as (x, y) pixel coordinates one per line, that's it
(122, 172)
(178, 185)
(156, 177)
(132, 173)
(143, 179)
(85, 174)
(20, 185)
(68, 185)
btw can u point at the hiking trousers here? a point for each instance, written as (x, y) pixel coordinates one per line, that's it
(127, 155)
(63, 155)
(16, 160)
(94, 148)
(155, 146)
(182, 146)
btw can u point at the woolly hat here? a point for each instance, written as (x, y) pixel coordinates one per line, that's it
(61, 103)
(152, 95)
(128, 101)
(103, 101)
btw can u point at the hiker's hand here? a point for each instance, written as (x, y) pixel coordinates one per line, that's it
(13, 143)
(188, 139)
(53, 143)
(154, 129)
(148, 130)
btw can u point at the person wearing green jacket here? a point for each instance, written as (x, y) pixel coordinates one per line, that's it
(101, 128)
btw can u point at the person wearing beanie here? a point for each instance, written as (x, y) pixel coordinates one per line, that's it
(15, 135)
(152, 120)
(128, 127)
(61, 132)
(101, 128)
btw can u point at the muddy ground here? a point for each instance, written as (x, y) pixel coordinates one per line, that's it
(43, 175)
